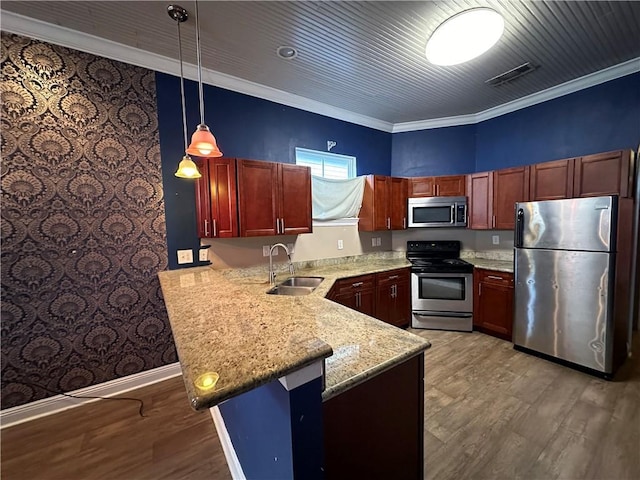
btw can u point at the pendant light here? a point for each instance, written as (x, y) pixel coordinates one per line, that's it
(187, 168)
(203, 143)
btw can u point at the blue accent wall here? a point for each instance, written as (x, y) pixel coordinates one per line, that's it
(598, 119)
(277, 434)
(439, 151)
(248, 127)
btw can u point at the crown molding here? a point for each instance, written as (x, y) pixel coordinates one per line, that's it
(66, 37)
(572, 86)
(55, 34)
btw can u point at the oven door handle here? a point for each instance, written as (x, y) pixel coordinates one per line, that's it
(443, 314)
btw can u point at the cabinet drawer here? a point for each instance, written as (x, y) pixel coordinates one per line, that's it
(354, 284)
(495, 277)
(400, 275)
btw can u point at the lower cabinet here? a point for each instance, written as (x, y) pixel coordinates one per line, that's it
(493, 303)
(358, 293)
(393, 297)
(385, 295)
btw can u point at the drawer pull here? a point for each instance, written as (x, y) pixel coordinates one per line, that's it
(392, 277)
(495, 277)
(357, 284)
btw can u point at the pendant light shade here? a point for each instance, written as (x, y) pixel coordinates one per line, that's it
(203, 143)
(187, 168)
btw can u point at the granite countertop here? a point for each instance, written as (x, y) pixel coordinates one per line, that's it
(491, 264)
(223, 321)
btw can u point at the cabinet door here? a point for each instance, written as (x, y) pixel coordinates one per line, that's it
(222, 185)
(393, 297)
(422, 187)
(402, 312)
(382, 198)
(480, 190)
(367, 302)
(346, 299)
(257, 194)
(510, 185)
(552, 180)
(295, 199)
(203, 200)
(493, 309)
(398, 207)
(450, 186)
(603, 174)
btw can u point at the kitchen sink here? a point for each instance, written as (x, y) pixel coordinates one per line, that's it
(296, 286)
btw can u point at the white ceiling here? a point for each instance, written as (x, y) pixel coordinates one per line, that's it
(367, 58)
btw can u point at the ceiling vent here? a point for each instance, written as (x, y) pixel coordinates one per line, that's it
(511, 75)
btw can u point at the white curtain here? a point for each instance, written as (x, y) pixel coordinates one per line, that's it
(333, 199)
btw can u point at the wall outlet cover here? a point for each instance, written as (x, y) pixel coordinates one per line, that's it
(378, 241)
(185, 256)
(373, 241)
(265, 250)
(290, 246)
(495, 239)
(203, 254)
(340, 244)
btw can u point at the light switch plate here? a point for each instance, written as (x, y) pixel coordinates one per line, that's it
(340, 244)
(378, 241)
(185, 256)
(290, 248)
(495, 239)
(265, 250)
(373, 241)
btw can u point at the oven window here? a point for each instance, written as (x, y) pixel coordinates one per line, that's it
(442, 288)
(432, 214)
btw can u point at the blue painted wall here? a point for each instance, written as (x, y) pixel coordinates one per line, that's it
(598, 119)
(277, 434)
(248, 127)
(439, 151)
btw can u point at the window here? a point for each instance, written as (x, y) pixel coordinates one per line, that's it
(327, 165)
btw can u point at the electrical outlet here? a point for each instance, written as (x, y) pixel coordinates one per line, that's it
(203, 254)
(185, 256)
(290, 247)
(265, 250)
(340, 244)
(373, 241)
(495, 239)
(378, 241)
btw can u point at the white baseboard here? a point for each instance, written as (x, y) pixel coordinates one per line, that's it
(227, 447)
(58, 403)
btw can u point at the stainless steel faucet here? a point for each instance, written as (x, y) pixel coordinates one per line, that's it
(272, 274)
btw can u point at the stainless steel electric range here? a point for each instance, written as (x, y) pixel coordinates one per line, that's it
(441, 286)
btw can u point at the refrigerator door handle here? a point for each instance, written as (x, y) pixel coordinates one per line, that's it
(519, 227)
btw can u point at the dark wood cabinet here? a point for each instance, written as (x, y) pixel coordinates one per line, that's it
(393, 300)
(274, 198)
(398, 203)
(445, 186)
(358, 293)
(552, 180)
(480, 192)
(384, 204)
(609, 173)
(493, 303)
(216, 199)
(510, 185)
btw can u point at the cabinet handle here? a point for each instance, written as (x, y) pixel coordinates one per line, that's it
(480, 289)
(404, 222)
(388, 223)
(215, 228)
(495, 277)
(357, 284)
(392, 277)
(277, 226)
(282, 227)
(206, 229)
(493, 220)
(357, 299)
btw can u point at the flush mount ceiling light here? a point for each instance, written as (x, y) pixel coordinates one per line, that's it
(464, 36)
(187, 168)
(287, 52)
(203, 143)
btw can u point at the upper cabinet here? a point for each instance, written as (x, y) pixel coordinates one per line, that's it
(445, 186)
(216, 200)
(480, 192)
(608, 173)
(273, 198)
(552, 180)
(510, 185)
(384, 205)
(492, 197)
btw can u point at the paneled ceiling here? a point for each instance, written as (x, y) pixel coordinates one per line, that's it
(368, 57)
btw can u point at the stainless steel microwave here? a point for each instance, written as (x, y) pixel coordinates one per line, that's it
(438, 212)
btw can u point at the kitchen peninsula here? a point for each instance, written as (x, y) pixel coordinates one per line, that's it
(357, 371)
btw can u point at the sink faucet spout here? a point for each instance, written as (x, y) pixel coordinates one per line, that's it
(272, 273)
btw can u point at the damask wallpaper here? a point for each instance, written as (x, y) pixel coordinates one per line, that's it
(82, 222)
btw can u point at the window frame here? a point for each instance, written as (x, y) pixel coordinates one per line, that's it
(349, 160)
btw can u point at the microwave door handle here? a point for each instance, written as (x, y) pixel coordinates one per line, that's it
(453, 214)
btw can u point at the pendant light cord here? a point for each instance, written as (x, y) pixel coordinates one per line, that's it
(184, 109)
(199, 53)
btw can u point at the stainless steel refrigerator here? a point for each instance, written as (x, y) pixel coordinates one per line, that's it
(565, 282)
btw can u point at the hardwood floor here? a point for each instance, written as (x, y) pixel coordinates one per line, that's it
(490, 412)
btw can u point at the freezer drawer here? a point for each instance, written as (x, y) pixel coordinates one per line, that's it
(563, 305)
